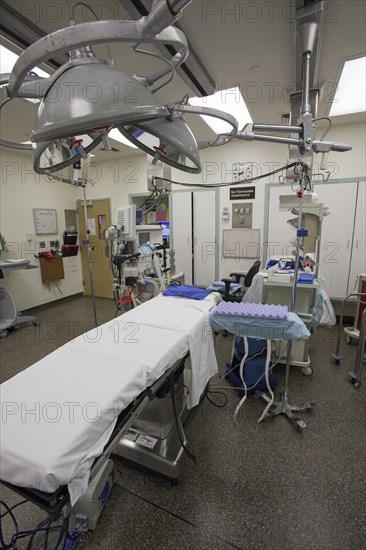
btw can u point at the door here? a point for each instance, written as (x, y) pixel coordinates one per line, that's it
(358, 260)
(99, 219)
(337, 234)
(205, 248)
(181, 224)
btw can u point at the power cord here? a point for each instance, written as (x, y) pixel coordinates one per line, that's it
(45, 527)
(208, 393)
(178, 422)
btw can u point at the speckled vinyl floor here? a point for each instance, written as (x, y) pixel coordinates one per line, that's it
(253, 486)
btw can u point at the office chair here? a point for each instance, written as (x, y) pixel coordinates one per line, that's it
(247, 281)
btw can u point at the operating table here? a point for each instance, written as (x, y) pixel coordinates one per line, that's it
(62, 417)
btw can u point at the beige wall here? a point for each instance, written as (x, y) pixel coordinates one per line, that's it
(22, 190)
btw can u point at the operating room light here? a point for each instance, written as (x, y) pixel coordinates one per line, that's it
(351, 91)
(170, 141)
(230, 101)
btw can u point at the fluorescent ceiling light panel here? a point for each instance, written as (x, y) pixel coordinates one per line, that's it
(8, 59)
(351, 90)
(116, 135)
(231, 101)
(7, 62)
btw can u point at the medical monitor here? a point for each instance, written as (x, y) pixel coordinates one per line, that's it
(126, 220)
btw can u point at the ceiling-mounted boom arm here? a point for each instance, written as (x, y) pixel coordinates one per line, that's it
(95, 32)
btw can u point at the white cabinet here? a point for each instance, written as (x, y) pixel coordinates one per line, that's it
(337, 235)
(193, 235)
(358, 258)
(181, 234)
(342, 249)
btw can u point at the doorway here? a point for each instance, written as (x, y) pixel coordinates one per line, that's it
(99, 220)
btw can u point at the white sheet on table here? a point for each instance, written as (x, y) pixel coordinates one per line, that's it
(75, 405)
(185, 315)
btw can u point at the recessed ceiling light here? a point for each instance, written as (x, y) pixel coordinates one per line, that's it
(231, 101)
(351, 90)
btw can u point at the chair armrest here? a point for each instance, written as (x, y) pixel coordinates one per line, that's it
(238, 276)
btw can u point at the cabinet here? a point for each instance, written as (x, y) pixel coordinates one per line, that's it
(342, 249)
(51, 270)
(193, 233)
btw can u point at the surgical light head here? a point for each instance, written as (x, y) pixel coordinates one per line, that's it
(169, 141)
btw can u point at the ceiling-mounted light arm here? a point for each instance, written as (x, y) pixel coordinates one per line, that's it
(221, 140)
(276, 128)
(174, 37)
(205, 111)
(248, 135)
(94, 32)
(163, 14)
(307, 35)
(36, 87)
(176, 6)
(326, 146)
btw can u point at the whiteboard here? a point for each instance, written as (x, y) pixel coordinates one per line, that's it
(241, 243)
(45, 221)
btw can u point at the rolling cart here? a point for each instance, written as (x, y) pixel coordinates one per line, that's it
(9, 316)
(361, 299)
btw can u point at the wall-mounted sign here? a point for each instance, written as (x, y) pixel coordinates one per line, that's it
(240, 193)
(45, 221)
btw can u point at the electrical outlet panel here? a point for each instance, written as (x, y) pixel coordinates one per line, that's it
(242, 215)
(242, 171)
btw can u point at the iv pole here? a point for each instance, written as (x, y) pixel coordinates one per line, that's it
(83, 165)
(274, 408)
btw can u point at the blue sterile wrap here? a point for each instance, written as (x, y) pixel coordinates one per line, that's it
(266, 329)
(187, 291)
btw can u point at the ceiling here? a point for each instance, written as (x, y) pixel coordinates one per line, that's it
(249, 44)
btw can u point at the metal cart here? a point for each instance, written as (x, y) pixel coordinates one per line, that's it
(9, 316)
(355, 375)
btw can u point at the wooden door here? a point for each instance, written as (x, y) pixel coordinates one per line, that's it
(99, 219)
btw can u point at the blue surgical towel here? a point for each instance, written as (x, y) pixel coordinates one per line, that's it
(306, 278)
(187, 291)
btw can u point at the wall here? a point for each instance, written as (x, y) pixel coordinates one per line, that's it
(21, 191)
(217, 165)
(117, 179)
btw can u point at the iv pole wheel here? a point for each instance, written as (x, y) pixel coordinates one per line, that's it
(307, 371)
